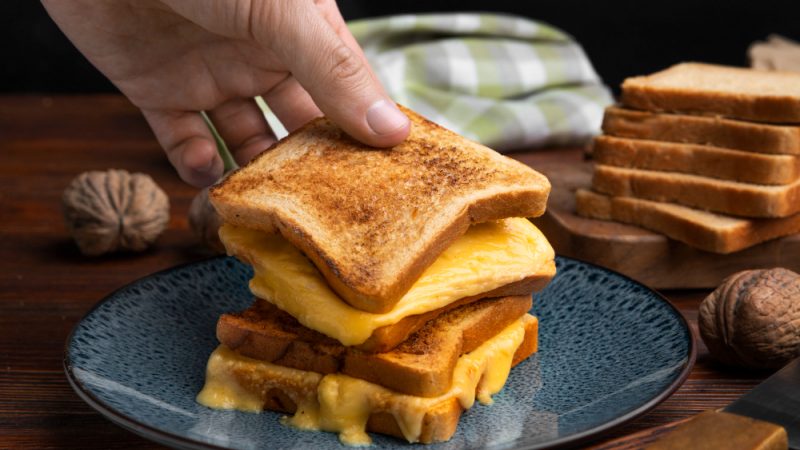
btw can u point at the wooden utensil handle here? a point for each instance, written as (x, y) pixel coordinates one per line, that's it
(722, 430)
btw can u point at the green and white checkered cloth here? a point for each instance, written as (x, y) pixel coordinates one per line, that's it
(507, 82)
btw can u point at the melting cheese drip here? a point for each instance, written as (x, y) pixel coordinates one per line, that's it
(236, 382)
(488, 256)
(343, 404)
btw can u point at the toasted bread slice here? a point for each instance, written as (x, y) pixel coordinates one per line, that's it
(421, 365)
(438, 425)
(704, 230)
(487, 257)
(727, 197)
(735, 165)
(282, 391)
(728, 91)
(706, 130)
(372, 220)
(383, 339)
(388, 337)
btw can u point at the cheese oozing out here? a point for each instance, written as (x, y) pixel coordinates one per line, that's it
(488, 256)
(343, 404)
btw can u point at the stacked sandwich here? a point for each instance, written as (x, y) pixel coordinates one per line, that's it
(708, 155)
(392, 285)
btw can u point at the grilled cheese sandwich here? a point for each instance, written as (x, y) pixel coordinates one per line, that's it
(343, 404)
(486, 257)
(391, 284)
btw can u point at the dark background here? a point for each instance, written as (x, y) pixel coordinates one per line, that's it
(621, 37)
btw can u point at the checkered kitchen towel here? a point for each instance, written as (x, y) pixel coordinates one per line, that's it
(507, 82)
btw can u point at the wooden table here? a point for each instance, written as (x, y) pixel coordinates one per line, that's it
(46, 285)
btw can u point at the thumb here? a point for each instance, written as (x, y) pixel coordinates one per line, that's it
(335, 74)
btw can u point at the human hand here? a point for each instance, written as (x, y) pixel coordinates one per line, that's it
(175, 58)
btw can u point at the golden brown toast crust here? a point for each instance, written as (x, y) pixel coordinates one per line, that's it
(715, 162)
(372, 220)
(706, 231)
(439, 424)
(390, 336)
(421, 365)
(715, 131)
(238, 327)
(722, 196)
(765, 96)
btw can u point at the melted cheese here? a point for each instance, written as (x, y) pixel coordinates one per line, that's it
(488, 256)
(236, 382)
(343, 404)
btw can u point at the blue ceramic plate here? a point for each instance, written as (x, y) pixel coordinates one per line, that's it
(610, 349)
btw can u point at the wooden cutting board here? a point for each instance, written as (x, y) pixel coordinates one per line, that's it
(646, 256)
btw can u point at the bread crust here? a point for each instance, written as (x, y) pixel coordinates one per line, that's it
(372, 220)
(727, 197)
(704, 130)
(421, 365)
(728, 91)
(706, 231)
(388, 337)
(746, 167)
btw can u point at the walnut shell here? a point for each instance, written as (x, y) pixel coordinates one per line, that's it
(205, 222)
(114, 210)
(753, 319)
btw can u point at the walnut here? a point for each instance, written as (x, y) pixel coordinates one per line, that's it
(753, 319)
(114, 210)
(205, 222)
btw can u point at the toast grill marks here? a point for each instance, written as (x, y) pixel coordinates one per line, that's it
(729, 91)
(373, 219)
(421, 365)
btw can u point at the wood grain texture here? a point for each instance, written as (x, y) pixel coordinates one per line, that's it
(46, 285)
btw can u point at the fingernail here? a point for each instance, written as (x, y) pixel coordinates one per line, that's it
(384, 117)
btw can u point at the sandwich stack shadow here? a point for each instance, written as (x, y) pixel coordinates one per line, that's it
(704, 154)
(392, 287)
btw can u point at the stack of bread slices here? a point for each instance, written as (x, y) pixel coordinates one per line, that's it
(705, 154)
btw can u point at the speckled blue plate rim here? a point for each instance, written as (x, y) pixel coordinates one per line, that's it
(141, 429)
(600, 430)
(179, 441)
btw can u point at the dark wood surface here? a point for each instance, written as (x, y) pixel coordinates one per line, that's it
(46, 285)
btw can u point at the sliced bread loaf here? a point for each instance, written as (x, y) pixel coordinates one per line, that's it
(708, 130)
(697, 159)
(728, 91)
(728, 197)
(704, 230)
